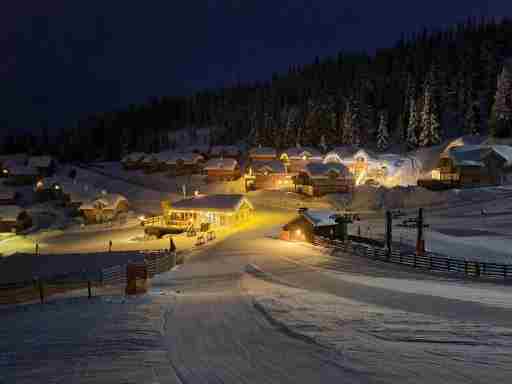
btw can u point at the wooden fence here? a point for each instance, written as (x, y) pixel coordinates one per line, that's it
(429, 262)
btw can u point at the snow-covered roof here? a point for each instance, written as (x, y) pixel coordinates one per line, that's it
(228, 150)
(221, 164)
(263, 151)
(212, 203)
(467, 155)
(316, 170)
(106, 201)
(40, 161)
(272, 166)
(505, 152)
(467, 140)
(10, 212)
(135, 156)
(187, 158)
(300, 152)
(148, 159)
(320, 218)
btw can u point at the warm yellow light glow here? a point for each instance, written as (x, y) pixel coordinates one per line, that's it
(360, 178)
(5, 171)
(57, 187)
(39, 184)
(196, 193)
(436, 174)
(298, 232)
(304, 158)
(142, 218)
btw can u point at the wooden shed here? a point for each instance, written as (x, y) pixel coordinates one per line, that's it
(308, 224)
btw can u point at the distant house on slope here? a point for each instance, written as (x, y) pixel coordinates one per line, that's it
(14, 219)
(262, 154)
(268, 175)
(104, 208)
(225, 151)
(222, 169)
(318, 179)
(296, 158)
(185, 164)
(133, 160)
(45, 165)
(472, 165)
(217, 210)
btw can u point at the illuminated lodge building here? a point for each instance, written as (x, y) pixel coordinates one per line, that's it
(295, 159)
(472, 165)
(318, 179)
(270, 175)
(216, 210)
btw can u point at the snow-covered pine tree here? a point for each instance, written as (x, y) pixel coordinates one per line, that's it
(356, 123)
(503, 103)
(430, 122)
(382, 132)
(412, 127)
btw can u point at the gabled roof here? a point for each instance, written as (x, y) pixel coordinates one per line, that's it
(10, 212)
(224, 203)
(263, 151)
(299, 152)
(135, 156)
(187, 158)
(467, 140)
(505, 152)
(40, 161)
(320, 218)
(229, 150)
(315, 170)
(272, 166)
(108, 201)
(225, 164)
(467, 155)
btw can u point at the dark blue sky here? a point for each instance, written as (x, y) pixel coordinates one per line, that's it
(65, 58)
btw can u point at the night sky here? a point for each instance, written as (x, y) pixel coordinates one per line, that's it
(62, 58)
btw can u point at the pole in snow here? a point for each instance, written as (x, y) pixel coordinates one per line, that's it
(110, 246)
(389, 231)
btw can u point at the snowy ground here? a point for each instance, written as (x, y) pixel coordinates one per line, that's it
(282, 321)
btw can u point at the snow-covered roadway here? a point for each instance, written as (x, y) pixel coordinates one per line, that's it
(287, 321)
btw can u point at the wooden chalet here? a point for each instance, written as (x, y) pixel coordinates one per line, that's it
(14, 219)
(268, 175)
(308, 224)
(296, 158)
(262, 154)
(225, 151)
(318, 179)
(473, 165)
(222, 169)
(133, 160)
(216, 210)
(104, 208)
(185, 164)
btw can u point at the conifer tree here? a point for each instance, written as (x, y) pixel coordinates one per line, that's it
(382, 132)
(503, 103)
(412, 127)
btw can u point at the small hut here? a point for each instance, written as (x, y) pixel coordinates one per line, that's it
(308, 224)
(104, 208)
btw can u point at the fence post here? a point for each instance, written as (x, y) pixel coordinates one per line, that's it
(89, 291)
(415, 256)
(41, 291)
